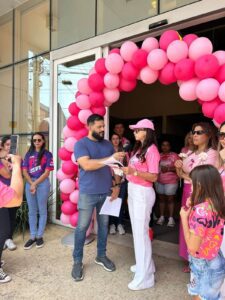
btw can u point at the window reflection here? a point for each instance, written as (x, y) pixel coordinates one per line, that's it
(166, 5)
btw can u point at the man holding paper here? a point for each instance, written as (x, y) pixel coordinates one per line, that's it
(95, 184)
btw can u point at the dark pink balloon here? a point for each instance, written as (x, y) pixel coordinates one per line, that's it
(73, 109)
(129, 71)
(68, 167)
(74, 123)
(77, 94)
(64, 154)
(208, 108)
(74, 219)
(168, 37)
(68, 208)
(220, 75)
(100, 66)
(219, 114)
(167, 75)
(139, 58)
(96, 99)
(189, 38)
(127, 85)
(81, 133)
(185, 69)
(200, 101)
(99, 110)
(206, 66)
(96, 82)
(115, 50)
(64, 197)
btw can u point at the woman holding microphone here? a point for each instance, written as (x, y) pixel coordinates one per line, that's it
(141, 172)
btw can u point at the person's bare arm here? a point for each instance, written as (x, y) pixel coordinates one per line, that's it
(4, 172)
(27, 176)
(144, 175)
(42, 177)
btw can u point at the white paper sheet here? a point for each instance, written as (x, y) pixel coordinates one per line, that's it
(111, 161)
(111, 208)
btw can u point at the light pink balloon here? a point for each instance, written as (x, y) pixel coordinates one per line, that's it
(157, 59)
(207, 89)
(69, 143)
(67, 132)
(150, 44)
(83, 86)
(199, 47)
(127, 50)
(65, 219)
(111, 80)
(111, 95)
(60, 175)
(73, 159)
(187, 89)
(222, 92)
(84, 114)
(67, 186)
(114, 63)
(74, 196)
(177, 50)
(220, 55)
(83, 102)
(107, 103)
(148, 76)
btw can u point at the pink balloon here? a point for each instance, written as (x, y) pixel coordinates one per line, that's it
(206, 66)
(127, 85)
(81, 133)
(220, 75)
(157, 59)
(99, 110)
(208, 108)
(74, 123)
(67, 132)
(73, 159)
(64, 197)
(73, 109)
(77, 184)
(60, 175)
(111, 81)
(168, 37)
(220, 55)
(92, 71)
(150, 44)
(216, 124)
(184, 69)
(100, 66)
(207, 89)
(74, 219)
(77, 94)
(189, 38)
(96, 82)
(68, 208)
(67, 186)
(74, 196)
(107, 103)
(96, 99)
(219, 114)
(139, 58)
(64, 153)
(83, 86)
(111, 95)
(200, 101)
(177, 50)
(83, 102)
(114, 63)
(199, 47)
(222, 92)
(69, 144)
(148, 76)
(68, 167)
(187, 89)
(166, 75)
(129, 71)
(65, 219)
(115, 50)
(84, 114)
(127, 50)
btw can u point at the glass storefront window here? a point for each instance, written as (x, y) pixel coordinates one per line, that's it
(6, 123)
(32, 29)
(32, 95)
(166, 5)
(72, 21)
(118, 13)
(6, 38)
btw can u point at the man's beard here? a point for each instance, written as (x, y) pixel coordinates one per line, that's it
(97, 136)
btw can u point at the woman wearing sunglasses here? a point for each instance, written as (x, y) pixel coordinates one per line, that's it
(36, 166)
(141, 172)
(204, 152)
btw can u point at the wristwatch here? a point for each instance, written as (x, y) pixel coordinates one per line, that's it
(135, 173)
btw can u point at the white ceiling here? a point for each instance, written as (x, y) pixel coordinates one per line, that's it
(7, 5)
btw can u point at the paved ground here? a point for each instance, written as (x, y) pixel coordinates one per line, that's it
(45, 273)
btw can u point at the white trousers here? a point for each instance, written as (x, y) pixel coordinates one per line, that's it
(140, 202)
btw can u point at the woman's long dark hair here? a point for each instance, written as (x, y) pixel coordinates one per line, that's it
(32, 146)
(207, 184)
(120, 148)
(220, 161)
(141, 149)
(4, 139)
(210, 132)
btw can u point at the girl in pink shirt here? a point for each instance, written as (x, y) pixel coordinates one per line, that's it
(141, 172)
(203, 223)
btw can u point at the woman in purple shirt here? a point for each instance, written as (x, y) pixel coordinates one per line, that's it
(36, 167)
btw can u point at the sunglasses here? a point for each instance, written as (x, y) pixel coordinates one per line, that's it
(37, 140)
(139, 129)
(198, 132)
(221, 135)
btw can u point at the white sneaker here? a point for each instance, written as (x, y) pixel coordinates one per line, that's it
(4, 277)
(171, 222)
(136, 287)
(161, 220)
(121, 229)
(10, 245)
(112, 229)
(133, 269)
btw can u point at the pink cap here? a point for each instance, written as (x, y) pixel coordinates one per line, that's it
(145, 123)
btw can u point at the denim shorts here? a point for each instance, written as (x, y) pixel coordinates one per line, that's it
(169, 189)
(206, 277)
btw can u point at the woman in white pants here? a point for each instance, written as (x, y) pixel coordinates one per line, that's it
(141, 173)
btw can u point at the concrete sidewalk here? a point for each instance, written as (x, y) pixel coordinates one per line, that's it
(46, 273)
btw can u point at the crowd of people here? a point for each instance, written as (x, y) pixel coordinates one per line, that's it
(147, 171)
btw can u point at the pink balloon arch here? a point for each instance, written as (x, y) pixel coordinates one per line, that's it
(189, 61)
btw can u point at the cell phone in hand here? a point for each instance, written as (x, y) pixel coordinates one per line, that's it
(14, 144)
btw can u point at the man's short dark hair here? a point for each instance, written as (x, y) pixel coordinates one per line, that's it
(93, 118)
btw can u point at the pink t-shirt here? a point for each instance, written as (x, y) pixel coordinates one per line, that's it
(151, 165)
(6, 194)
(168, 160)
(206, 223)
